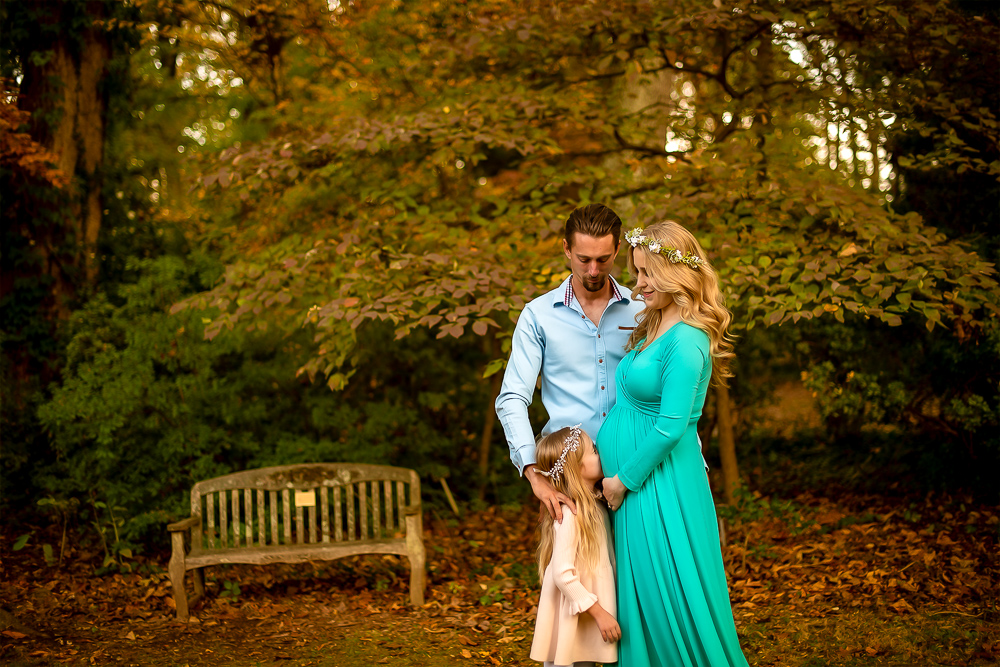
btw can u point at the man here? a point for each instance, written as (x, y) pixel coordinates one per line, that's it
(574, 336)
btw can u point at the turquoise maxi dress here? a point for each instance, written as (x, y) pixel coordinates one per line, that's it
(673, 600)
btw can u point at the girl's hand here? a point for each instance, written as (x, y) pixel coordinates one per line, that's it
(614, 492)
(610, 630)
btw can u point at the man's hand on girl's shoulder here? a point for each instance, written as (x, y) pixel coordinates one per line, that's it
(550, 499)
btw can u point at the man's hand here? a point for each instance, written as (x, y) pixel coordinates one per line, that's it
(614, 492)
(549, 497)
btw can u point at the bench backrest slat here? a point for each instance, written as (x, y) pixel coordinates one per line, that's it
(300, 533)
(376, 510)
(400, 504)
(363, 510)
(350, 513)
(210, 512)
(286, 515)
(338, 515)
(224, 519)
(247, 523)
(259, 495)
(234, 517)
(272, 497)
(324, 515)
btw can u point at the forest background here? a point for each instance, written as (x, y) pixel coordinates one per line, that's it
(239, 234)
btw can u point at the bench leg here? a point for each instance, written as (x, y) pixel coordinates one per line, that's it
(418, 580)
(199, 582)
(176, 570)
(415, 554)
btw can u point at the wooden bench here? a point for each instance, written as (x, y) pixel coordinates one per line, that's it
(299, 513)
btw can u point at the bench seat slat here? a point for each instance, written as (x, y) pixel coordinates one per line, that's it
(297, 553)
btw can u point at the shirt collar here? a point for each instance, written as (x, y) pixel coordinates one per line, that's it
(569, 294)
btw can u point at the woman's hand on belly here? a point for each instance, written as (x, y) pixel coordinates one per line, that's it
(614, 492)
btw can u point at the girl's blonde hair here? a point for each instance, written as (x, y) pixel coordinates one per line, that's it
(695, 291)
(589, 515)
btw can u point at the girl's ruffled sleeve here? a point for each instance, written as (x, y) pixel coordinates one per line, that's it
(563, 564)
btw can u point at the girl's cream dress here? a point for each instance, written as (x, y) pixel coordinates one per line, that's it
(564, 632)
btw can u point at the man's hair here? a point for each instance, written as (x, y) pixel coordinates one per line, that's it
(595, 220)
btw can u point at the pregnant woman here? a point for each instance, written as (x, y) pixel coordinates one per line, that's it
(673, 600)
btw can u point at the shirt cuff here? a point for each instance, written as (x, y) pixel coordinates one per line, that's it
(523, 457)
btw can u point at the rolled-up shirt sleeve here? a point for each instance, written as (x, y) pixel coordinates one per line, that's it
(523, 367)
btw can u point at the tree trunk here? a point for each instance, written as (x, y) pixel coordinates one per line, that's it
(727, 443)
(68, 106)
(486, 441)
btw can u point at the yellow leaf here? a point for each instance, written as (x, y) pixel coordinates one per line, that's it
(848, 250)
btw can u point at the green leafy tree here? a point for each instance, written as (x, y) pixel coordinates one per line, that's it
(384, 186)
(420, 179)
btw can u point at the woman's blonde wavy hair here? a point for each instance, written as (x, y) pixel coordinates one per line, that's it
(589, 515)
(695, 291)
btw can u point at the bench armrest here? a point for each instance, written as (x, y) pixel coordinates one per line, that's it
(411, 510)
(184, 524)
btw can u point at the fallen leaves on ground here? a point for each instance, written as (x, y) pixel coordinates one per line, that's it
(803, 564)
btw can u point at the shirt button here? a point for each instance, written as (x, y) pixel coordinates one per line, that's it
(602, 387)
(604, 414)
(600, 361)
(598, 335)
(583, 317)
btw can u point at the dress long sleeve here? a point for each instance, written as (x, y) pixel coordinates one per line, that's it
(563, 564)
(680, 377)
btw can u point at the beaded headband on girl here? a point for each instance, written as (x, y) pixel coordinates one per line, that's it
(571, 445)
(673, 255)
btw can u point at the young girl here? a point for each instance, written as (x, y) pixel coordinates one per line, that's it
(575, 623)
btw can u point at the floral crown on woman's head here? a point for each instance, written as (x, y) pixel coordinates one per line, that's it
(571, 445)
(636, 238)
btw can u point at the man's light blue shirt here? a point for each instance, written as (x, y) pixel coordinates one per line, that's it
(577, 361)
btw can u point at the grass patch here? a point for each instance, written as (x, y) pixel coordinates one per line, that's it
(864, 637)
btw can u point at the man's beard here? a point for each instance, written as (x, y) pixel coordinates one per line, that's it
(594, 286)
